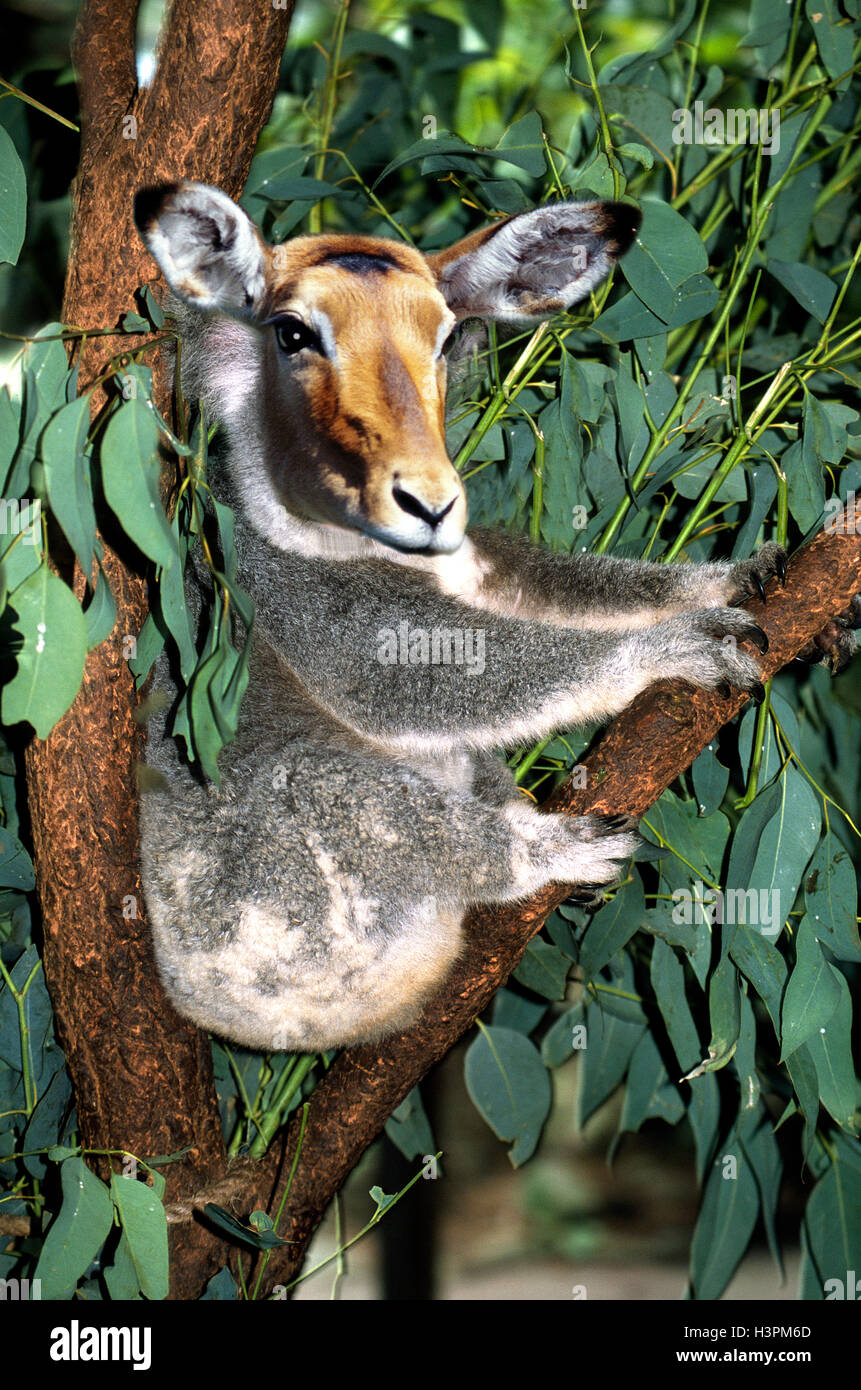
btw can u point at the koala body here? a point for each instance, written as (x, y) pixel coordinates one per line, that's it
(316, 897)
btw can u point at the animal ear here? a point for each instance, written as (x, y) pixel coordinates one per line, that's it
(533, 264)
(209, 251)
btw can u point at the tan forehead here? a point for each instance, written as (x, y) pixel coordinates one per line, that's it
(354, 280)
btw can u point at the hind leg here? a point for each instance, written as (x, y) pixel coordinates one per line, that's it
(328, 903)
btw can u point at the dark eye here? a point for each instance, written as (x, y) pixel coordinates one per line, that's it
(292, 335)
(449, 342)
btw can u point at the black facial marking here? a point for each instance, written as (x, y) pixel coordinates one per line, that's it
(363, 263)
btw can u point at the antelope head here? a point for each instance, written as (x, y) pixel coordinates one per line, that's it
(324, 358)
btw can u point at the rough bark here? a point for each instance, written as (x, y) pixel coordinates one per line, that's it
(640, 754)
(142, 1076)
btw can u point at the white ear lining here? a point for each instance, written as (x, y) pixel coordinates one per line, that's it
(538, 262)
(206, 246)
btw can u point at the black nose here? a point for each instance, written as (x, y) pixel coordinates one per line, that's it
(408, 503)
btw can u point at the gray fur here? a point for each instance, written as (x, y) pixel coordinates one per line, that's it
(317, 897)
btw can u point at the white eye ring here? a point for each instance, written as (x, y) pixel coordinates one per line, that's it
(446, 343)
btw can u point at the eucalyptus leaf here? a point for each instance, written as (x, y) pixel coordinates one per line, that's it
(509, 1086)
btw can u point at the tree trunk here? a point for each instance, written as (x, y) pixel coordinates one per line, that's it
(142, 1076)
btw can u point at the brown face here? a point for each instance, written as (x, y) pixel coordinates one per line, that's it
(354, 390)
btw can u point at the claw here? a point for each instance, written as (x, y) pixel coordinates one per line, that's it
(724, 689)
(756, 578)
(757, 693)
(756, 634)
(780, 566)
(585, 895)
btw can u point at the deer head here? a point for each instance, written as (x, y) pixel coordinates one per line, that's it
(324, 358)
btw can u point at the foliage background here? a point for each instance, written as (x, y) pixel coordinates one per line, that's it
(703, 403)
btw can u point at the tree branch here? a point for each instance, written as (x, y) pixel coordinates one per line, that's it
(142, 1076)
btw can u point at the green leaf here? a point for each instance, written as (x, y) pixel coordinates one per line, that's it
(666, 253)
(100, 614)
(649, 1092)
(744, 1059)
(13, 200)
(627, 319)
(813, 290)
(557, 1045)
(135, 323)
(725, 1018)
(802, 1074)
(609, 1047)
(48, 1119)
(640, 153)
(833, 39)
(699, 473)
(420, 149)
(523, 145)
(726, 1221)
(772, 754)
(769, 30)
(121, 1277)
(130, 472)
(383, 1200)
(710, 780)
(67, 478)
(78, 1233)
(16, 870)
(408, 1127)
(153, 308)
(51, 659)
(813, 992)
(831, 1050)
(10, 432)
(612, 927)
(149, 643)
(647, 114)
(38, 1020)
(222, 1287)
(633, 65)
(668, 982)
(258, 1240)
(544, 969)
(831, 897)
(762, 964)
(763, 1154)
(174, 612)
(512, 1010)
(509, 1085)
(786, 844)
(299, 189)
(144, 1224)
(832, 1224)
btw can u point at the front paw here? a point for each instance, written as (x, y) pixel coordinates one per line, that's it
(554, 847)
(703, 649)
(749, 578)
(836, 643)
